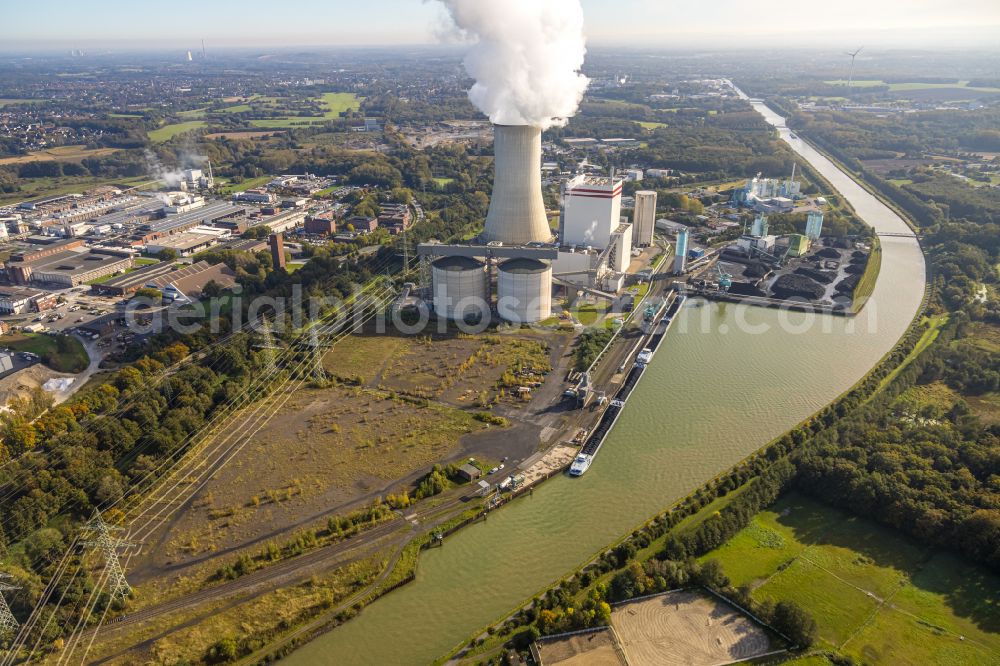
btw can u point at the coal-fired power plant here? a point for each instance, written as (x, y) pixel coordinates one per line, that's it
(513, 252)
(517, 211)
(525, 57)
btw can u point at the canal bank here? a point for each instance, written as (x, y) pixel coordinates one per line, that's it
(736, 378)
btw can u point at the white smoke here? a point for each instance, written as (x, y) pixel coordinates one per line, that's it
(526, 58)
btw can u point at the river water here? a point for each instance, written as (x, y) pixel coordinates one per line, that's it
(726, 380)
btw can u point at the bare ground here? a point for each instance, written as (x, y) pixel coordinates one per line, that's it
(686, 629)
(593, 649)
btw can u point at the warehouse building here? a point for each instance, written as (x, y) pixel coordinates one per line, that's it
(184, 244)
(72, 267)
(16, 300)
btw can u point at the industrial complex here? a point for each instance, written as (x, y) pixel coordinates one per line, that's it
(520, 253)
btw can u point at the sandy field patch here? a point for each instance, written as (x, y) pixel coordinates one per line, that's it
(593, 649)
(686, 629)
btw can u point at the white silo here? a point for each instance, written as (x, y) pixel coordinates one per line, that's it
(461, 288)
(644, 218)
(524, 291)
(517, 210)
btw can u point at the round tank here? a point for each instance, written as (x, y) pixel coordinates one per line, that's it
(524, 291)
(461, 288)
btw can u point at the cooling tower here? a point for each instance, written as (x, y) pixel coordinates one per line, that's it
(517, 212)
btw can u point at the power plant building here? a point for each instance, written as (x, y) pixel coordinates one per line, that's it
(592, 208)
(644, 218)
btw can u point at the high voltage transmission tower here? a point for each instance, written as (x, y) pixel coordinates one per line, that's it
(8, 623)
(317, 349)
(268, 345)
(109, 545)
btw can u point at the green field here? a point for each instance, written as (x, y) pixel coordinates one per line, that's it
(335, 103)
(12, 102)
(875, 595)
(248, 184)
(871, 83)
(651, 125)
(62, 353)
(168, 132)
(338, 103)
(32, 188)
(239, 108)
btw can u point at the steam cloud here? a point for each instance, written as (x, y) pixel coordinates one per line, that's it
(526, 58)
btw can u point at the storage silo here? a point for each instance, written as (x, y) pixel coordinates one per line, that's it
(461, 288)
(524, 290)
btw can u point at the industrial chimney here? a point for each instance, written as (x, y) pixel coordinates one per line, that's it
(517, 212)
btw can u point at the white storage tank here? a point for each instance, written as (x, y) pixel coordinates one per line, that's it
(461, 288)
(524, 291)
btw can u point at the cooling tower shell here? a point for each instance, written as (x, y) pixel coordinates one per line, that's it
(517, 211)
(524, 290)
(461, 288)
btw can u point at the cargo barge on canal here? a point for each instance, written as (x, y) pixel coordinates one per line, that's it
(595, 441)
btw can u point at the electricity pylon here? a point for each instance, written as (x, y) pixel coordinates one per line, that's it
(8, 623)
(319, 370)
(268, 346)
(109, 545)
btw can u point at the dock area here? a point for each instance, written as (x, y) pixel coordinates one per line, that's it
(663, 321)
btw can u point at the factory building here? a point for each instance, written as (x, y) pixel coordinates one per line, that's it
(184, 244)
(681, 251)
(620, 249)
(814, 225)
(16, 300)
(70, 267)
(644, 218)
(591, 211)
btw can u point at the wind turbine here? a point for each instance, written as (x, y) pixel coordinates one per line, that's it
(850, 77)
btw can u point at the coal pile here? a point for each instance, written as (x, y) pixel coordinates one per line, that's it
(797, 286)
(848, 284)
(745, 289)
(855, 269)
(756, 270)
(828, 253)
(823, 277)
(858, 254)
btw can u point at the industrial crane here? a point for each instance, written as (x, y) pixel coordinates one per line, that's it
(725, 279)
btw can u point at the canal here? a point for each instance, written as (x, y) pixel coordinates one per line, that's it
(726, 380)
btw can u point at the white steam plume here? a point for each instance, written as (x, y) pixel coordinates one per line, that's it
(526, 58)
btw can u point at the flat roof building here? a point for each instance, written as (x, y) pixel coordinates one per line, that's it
(184, 244)
(72, 267)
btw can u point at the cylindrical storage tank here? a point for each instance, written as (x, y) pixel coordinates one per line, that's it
(461, 288)
(524, 291)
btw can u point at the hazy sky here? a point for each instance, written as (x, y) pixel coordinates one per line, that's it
(683, 23)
